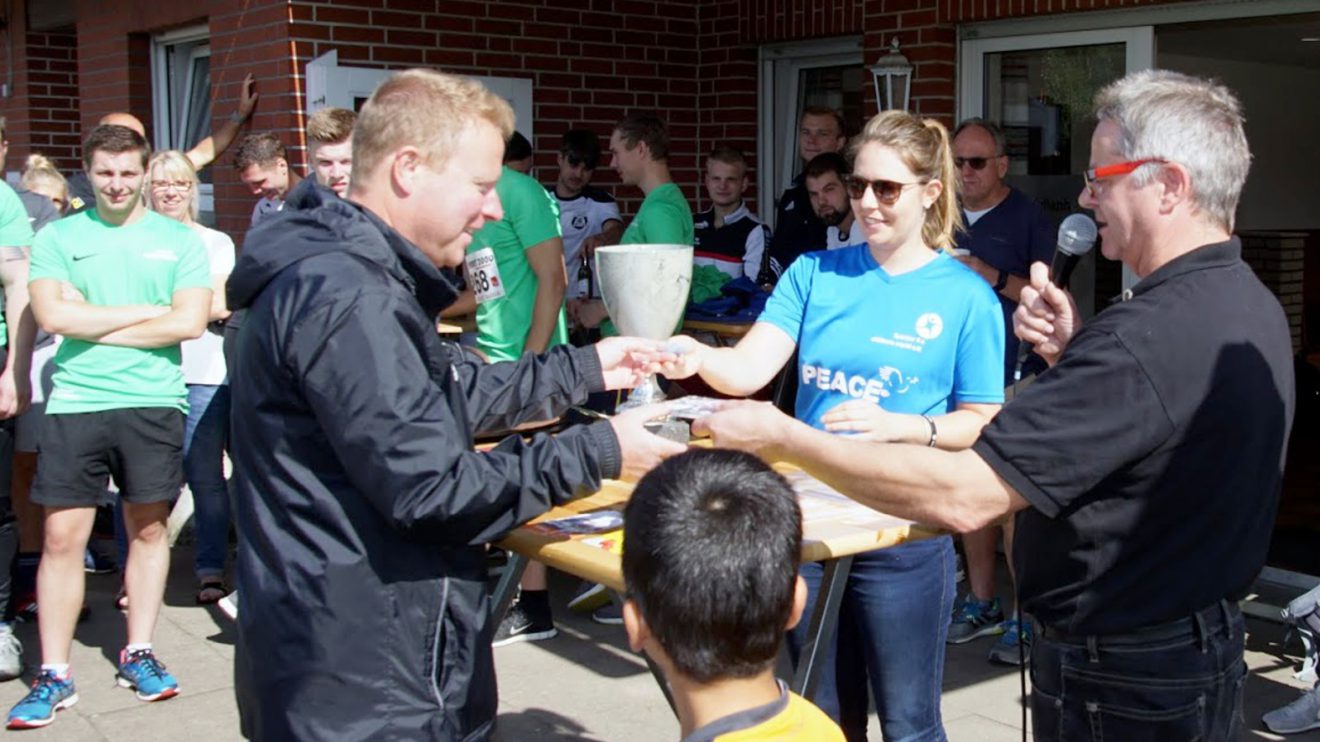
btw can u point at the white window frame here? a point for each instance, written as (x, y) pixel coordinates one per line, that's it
(330, 85)
(780, 67)
(166, 118)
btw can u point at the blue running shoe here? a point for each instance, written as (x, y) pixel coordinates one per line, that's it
(1006, 651)
(48, 695)
(975, 618)
(146, 674)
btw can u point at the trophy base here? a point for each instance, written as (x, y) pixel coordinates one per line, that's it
(648, 393)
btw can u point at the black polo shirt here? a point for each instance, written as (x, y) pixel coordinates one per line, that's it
(1152, 453)
(797, 230)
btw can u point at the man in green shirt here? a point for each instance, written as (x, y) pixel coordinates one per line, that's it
(639, 153)
(16, 336)
(515, 270)
(124, 286)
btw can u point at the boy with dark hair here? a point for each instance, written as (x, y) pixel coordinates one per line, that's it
(712, 543)
(588, 215)
(518, 154)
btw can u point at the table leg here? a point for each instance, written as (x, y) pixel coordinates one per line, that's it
(506, 588)
(820, 632)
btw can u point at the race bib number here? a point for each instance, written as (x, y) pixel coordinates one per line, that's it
(484, 275)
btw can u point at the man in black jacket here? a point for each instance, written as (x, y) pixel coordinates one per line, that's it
(363, 507)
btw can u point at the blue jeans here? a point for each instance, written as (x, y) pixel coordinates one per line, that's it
(205, 438)
(893, 623)
(1179, 686)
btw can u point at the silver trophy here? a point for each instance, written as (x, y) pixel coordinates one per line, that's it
(645, 289)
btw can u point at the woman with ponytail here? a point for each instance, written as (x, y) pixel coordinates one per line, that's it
(896, 342)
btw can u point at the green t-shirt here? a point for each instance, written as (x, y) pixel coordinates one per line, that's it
(664, 219)
(15, 231)
(141, 263)
(499, 273)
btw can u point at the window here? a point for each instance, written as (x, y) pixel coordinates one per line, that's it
(181, 98)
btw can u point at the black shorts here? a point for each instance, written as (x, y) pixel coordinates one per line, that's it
(141, 447)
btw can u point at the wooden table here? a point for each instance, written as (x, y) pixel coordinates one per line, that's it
(457, 325)
(834, 530)
(725, 333)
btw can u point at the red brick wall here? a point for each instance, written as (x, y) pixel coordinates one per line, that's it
(41, 110)
(43, 116)
(252, 37)
(590, 62)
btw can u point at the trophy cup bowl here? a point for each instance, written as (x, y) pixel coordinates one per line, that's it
(645, 289)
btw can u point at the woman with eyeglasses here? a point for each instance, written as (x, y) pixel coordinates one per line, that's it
(172, 187)
(897, 342)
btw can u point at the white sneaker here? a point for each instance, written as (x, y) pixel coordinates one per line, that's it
(229, 605)
(1298, 716)
(11, 654)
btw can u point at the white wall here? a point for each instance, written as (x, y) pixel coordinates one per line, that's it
(1282, 106)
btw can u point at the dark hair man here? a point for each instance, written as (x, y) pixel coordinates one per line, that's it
(797, 228)
(263, 166)
(518, 155)
(824, 179)
(364, 507)
(124, 286)
(589, 216)
(1144, 468)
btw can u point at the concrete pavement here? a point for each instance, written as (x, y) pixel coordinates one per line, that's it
(582, 685)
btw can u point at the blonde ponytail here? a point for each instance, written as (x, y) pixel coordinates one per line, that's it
(923, 145)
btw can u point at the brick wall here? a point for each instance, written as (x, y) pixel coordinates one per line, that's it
(590, 62)
(43, 109)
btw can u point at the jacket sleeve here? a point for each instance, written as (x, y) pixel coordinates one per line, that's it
(396, 434)
(532, 388)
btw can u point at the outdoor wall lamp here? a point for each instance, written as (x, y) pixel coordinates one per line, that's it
(892, 76)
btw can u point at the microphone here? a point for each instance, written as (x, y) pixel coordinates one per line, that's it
(1077, 235)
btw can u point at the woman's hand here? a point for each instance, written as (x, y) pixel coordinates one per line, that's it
(868, 420)
(688, 355)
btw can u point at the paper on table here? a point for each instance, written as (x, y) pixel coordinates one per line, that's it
(600, 521)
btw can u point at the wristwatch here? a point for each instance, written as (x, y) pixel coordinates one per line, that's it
(1001, 281)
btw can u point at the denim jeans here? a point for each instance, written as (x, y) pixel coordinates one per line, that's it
(893, 623)
(206, 435)
(205, 438)
(1186, 686)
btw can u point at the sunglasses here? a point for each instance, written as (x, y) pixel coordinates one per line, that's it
(1110, 171)
(886, 192)
(976, 163)
(575, 160)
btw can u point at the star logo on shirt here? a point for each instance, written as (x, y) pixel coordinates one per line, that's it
(929, 326)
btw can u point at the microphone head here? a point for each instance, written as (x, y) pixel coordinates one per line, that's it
(1077, 234)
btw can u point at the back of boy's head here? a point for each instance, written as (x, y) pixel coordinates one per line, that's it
(711, 549)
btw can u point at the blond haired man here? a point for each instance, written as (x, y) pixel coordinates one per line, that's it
(364, 507)
(330, 145)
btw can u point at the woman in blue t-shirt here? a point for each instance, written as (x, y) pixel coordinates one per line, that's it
(900, 343)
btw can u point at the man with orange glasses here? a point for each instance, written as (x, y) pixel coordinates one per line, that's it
(1144, 467)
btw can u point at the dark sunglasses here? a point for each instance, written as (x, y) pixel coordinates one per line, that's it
(886, 192)
(575, 160)
(976, 163)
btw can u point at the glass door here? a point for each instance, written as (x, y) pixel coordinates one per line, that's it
(1040, 88)
(793, 77)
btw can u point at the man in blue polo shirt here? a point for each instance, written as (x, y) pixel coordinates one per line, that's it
(1006, 232)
